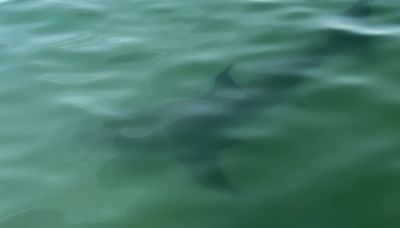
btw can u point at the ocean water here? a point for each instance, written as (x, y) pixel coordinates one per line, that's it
(89, 87)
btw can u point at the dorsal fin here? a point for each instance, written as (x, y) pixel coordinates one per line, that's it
(359, 9)
(224, 79)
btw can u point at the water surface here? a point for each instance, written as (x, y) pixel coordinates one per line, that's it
(326, 156)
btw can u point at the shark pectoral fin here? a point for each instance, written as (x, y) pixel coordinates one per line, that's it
(207, 172)
(214, 177)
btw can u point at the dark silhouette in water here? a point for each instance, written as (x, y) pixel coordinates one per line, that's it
(359, 9)
(198, 128)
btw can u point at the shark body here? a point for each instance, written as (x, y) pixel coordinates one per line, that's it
(198, 127)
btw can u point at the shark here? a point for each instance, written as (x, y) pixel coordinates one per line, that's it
(197, 128)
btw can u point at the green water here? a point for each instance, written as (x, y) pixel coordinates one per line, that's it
(327, 156)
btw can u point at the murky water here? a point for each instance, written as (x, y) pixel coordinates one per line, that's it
(119, 114)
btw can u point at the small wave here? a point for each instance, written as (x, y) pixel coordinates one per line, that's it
(90, 104)
(353, 26)
(4, 1)
(133, 57)
(72, 79)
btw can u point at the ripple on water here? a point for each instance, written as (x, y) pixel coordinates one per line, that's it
(69, 56)
(91, 103)
(4, 1)
(356, 27)
(133, 57)
(74, 78)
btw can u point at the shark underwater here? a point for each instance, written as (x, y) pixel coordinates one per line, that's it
(197, 128)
